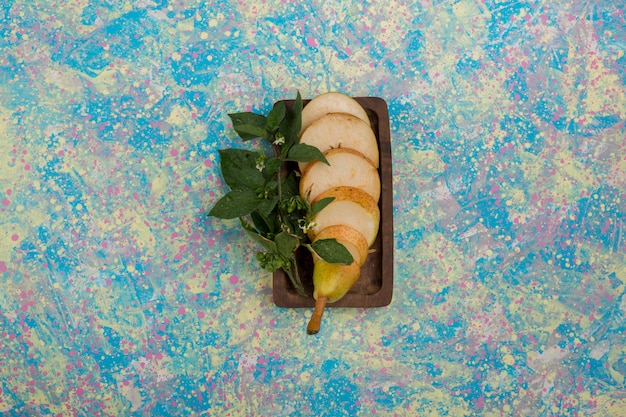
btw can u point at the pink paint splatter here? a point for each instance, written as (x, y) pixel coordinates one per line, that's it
(3, 267)
(14, 237)
(6, 202)
(310, 41)
(182, 310)
(480, 402)
(27, 305)
(234, 279)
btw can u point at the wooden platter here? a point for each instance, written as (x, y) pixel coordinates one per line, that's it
(375, 286)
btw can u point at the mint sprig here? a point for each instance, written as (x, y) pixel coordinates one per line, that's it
(264, 195)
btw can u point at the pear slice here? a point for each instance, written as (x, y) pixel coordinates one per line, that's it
(332, 102)
(351, 207)
(341, 130)
(352, 239)
(347, 168)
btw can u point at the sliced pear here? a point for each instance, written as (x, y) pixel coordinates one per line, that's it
(351, 207)
(349, 237)
(341, 130)
(347, 168)
(332, 102)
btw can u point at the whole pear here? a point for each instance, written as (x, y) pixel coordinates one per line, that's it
(333, 281)
(330, 282)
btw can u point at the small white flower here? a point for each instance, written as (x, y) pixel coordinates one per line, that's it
(280, 139)
(306, 225)
(260, 161)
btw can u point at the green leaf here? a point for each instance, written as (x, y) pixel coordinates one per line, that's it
(276, 116)
(290, 186)
(249, 125)
(301, 152)
(236, 203)
(272, 166)
(332, 251)
(319, 205)
(271, 186)
(268, 244)
(286, 244)
(239, 169)
(267, 205)
(249, 132)
(260, 223)
(292, 123)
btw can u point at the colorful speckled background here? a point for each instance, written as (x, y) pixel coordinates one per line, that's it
(118, 296)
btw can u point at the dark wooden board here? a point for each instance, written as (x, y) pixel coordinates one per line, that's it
(375, 286)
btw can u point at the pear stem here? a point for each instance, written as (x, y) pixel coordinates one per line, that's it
(316, 319)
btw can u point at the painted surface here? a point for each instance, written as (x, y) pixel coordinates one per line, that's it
(119, 297)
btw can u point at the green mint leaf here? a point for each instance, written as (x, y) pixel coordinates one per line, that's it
(332, 251)
(301, 152)
(236, 203)
(276, 116)
(286, 244)
(319, 205)
(249, 125)
(292, 123)
(239, 169)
